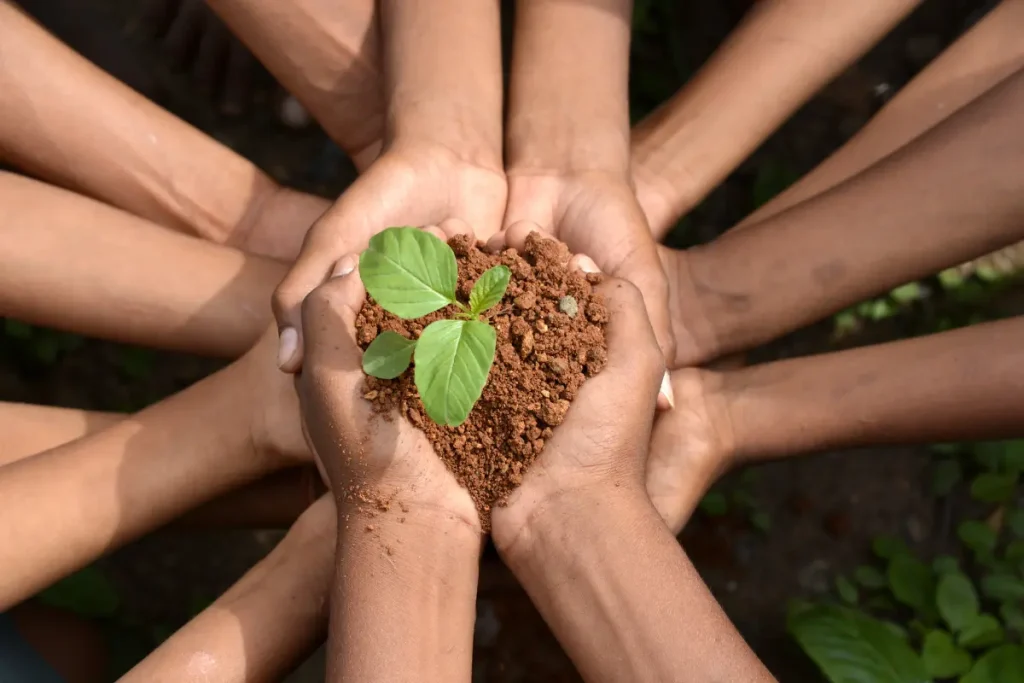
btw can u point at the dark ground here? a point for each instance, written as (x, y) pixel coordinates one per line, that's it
(823, 511)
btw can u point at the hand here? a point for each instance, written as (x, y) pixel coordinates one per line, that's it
(596, 214)
(367, 459)
(276, 429)
(602, 444)
(691, 447)
(406, 186)
(279, 224)
(696, 339)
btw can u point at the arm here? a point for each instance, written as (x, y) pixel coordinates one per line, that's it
(619, 619)
(955, 193)
(141, 284)
(442, 76)
(64, 120)
(230, 641)
(326, 54)
(101, 491)
(780, 55)
(961, 385)
(985, 55)
(408, 580)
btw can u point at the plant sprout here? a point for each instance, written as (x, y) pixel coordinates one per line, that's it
(411, 273)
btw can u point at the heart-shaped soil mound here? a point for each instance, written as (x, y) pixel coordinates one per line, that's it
(550, 338)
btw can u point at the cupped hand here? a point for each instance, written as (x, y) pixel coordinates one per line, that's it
(597, 214)
(406, 186)
(602, 444)
(367, 458)
(692, 445)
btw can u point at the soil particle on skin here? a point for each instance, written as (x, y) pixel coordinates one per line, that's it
(543, 355)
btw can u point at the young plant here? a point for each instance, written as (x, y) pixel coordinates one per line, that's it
(411, 273)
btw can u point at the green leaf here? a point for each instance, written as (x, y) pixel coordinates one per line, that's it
(15, 329)
(1003, 587)
(489, 289)
(981, 632)
(869, 577)
(714, 504)
(1015, 551)
(946, 448)
(951, 278)
(977, 536)
(761, 520)
(957, 600)
(87, 593)
(912, 582)
(847, 591)
(388, 355)
(409, 272)
(945, 475)
(1015, 520)
(888, 547)
(1012, 616)
(850, 647)
(944, 564)
(989, 454)
(942, 658)
(1001, 665)
(453, 359)
(991, 487)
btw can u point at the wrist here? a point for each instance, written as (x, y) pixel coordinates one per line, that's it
(547, 142)
(393, 513)
(449, 139)
(534, 518)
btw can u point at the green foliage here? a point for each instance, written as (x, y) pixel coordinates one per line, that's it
(411, 273)
(714, 504)
(946, 474)
(773, 177)
(453, 359)
(38, 345)
(388, 356)
(956, 616)
(851, 647)
(87, 593)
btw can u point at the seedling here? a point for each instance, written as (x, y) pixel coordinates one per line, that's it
(411, 273)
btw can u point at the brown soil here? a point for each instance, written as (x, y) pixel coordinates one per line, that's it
(550, 327)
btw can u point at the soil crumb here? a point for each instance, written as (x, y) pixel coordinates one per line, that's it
(550, 338)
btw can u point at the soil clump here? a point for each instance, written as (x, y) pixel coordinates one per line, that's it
(550, 338)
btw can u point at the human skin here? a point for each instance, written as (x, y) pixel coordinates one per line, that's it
(952, 194)
(101, 491)
(230, 641)
(443, 151)
(325, 53)
(779, 56)
(141, 284)
(67, 122)
(961, 385)
(273, 502)
(573, 529)
(409, 538)
(567, 148)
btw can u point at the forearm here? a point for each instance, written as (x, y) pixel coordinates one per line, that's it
(961, 385)
(988, 53)
(780, 55)
(442, 71)
(141, 284)
(65, 507)
(325, 53)
(30, 429)
(404, 599)
(64, 120)
(619, 619)
(955, 193)
(232, 640)
(568, 98)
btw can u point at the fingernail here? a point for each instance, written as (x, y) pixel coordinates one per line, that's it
(288, 345)
(666, 390)
(345, 265)
(586, 264)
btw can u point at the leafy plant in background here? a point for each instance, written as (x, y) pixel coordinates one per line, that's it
(904, 620)
(411, 273)
(40, 345)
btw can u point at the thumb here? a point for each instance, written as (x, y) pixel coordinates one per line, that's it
(643, 268)
(329, 318)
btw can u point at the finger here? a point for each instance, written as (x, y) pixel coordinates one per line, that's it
(436, 232)
(516, 234)
(643, 268)
(634, 358)
(329, 317)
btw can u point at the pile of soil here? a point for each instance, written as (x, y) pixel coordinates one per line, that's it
(550, 338)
